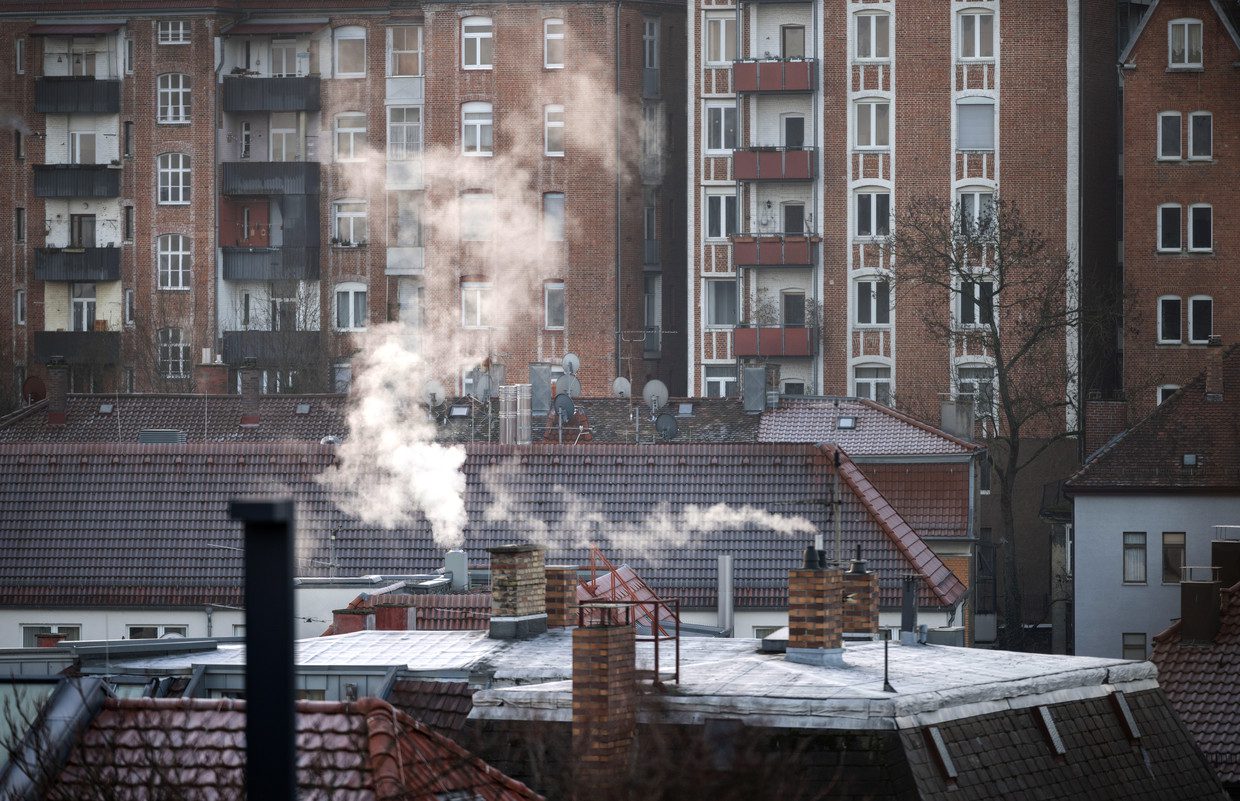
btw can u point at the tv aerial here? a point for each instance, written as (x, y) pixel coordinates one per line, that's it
(621, 387)
(564, 407)
(433, 393)
(568, 384)
(571, 363)
(665, 425)
(655, 395)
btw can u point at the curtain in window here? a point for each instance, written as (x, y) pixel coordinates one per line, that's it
(1134, 557)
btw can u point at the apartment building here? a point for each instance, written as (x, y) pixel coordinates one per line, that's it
(1181, 123)
(186, 182)
(815, 123)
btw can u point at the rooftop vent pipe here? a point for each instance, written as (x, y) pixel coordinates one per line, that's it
(908, 613)
(250, 380)
(725, 602)
(57, 391)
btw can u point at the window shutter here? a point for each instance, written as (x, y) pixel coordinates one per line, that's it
(975, 128)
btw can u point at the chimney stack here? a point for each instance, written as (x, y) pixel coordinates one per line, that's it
(457, 563)
(725, 595)
(861, 592)
(1225, 555)
(210, 378)
(815, 617)
(518, 592)
(1199, 605)
(57, 391)
(250, 381)
(908, 612)
(604, 697)
(347, 621)
(561, 596)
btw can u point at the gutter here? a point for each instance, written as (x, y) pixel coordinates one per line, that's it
(616, 154)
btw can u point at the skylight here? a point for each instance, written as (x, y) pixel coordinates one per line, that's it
(846, 423)
(303, 408)
(105, 408)
(685, 410)
(460, 410)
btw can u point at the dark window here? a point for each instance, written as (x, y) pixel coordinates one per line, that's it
(1172, 556)
(128, 138)
(1201, 228)
(794, 218)
(792, 38)
(1134, 558)
(1134, 645)
(1201, 319)
(81, 230)
(794, 131)
(1169, 228)
(1169, 136)
(794, 309)
(1201, 136)
(19, 146)
(19, 224)
(977, 302)
(127, 229)
(1169, 319)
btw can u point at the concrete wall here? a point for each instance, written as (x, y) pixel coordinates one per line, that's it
(112, 624)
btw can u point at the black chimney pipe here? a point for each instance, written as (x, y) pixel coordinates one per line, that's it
(270, 723)
(908, 614)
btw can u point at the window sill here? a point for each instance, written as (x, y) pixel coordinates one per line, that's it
(975, 59)
(1170, 343)
(718, 65)
(871, 326)
(477, 155)
(863, 60)
(350, 330)
(1200, 343)
(350, 76)
(1186, 68)
(553, 66)
(478, 68)
(173, 122)
(1134, 584)
(554, 155)
(554, 329)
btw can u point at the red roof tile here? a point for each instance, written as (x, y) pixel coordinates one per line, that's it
(441, 705)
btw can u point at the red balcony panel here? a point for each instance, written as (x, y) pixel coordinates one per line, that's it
(773, 164)
(773, 251)
(773, 342)
(745, 76)
(773, 76)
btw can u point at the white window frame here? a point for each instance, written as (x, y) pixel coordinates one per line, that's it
(548, 125)
(550, 288)
(173, 353)
(174, 101)
(477, 135)
(402, 147)
(346, 209)
(977, 41)
(1193, 155)
(350, 142)
(873, 192)
(75, 146)
(173, 32)
(1192, 302)
(348, 33)
(872, 39)
(175, 260)
(1187, 23)
(975, 301)
(550, 36)
(867, 109)
(53, 628)
(480, 294)
(554, 230)
(716, 35)
(419, 51)
(873, 382)
(872, 281)
(163, 630)
(19, 56)
(723, 198)
(484, 32)
(175, 179)
(1180, 213)
(720, 386)
(351, 291)
(289, 142)
(978, 100)
(284, 47)
(991, 413)
(1165, 391)
(972, 196)
(19, 306)
(708, 296)
(650, 43)
(1179, 153)
(1193, 245)
(1179, 323)
(716, 125)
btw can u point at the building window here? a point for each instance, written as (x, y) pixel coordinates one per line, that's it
(404, 132)
(1166, 391)
(985, 474)
(405, 51)
(553, 130)
(82, 148)
(1200, 228)
(30, 634)
(553, 217)
(874, 302)
(285, 142)
(721, 39)
(1201, 135)
(650, 44)
(1172, 556)
(349, 227)
(872, 382)
(977, 211)
(174, 101)
(1200, 319)
(720, 380)
(129, 56)
(283, 58)
(720, 127)
(351, 307)
(792, 308)
(1134, 646)
(475, 297)
(129, 307)
(1184, 43)
(720, 216)
(19, 146)
(408, 231)
(792, 388)
(553, 44)
(173, 353)
(1134, 557)
(19, 224)
(476, 129)
(350, 52)
(873, 124)
(1169, 320)
(873, 37)
(720, 302)
(128, 139)
(83, 311)
(1169, 148)
(350, 137)
(792, 41)
(247, 139)
(477, 213)
(155, 632)
(19, 56)
(171, 32)
(652, 312)
(977, 35)
(476, 43)
(553, 305)
(977, 306)
(975, 125)
(978, 381)
(174, 175)
(1169, 228)
(19, 306)
(873, 214)
(342, 378)
(174, 262)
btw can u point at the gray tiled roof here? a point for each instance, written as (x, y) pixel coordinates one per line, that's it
(879, 431)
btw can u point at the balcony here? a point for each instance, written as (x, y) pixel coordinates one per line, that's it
(77, 95)
(77, 264)
(272, 348)
(76, 180)
(773, 250)
(271, 178)
(78, 347)
(272, 94)
(774, 164)
(271, 264)
(774, 76)
(774, 342)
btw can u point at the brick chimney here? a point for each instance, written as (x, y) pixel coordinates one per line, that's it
(1199, 605)
(394, 615)
(604, 698)
(250, 384)
(861, 598)
(49, 640)
(57, 391)
(815, 616)
(518, 592)
(1214, 381)
(561, 596)
(347, 621)
(1103, 420)
(211, 378)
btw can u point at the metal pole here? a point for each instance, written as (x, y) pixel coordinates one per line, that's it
(270, 725)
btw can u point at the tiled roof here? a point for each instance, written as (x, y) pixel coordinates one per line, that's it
(460, 611)
(441, 705)
(879, 431)
(149, 748)
(932, 497)
(210, 418)
(119, 523)
(1203, 684)
(1150, 455)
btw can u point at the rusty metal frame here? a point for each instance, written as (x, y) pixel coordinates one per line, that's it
(607, 610)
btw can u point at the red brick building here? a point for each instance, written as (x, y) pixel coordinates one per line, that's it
(1181, 151)
(184, 178)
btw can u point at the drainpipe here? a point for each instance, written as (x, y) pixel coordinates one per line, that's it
(616, 146)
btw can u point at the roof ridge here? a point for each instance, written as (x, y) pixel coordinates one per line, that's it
(924, 426)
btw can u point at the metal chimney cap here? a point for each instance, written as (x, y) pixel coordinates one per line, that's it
(811, 558)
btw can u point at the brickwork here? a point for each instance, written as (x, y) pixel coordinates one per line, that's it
(1103, 420)
(604, 704)
(861, 608)
(518, 581)
(561, 595)
(345, 621)
(815, 619)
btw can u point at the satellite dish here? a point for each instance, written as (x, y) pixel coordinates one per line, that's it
(482, 386)
(621, 387)
(564, 407)
(655, 394)
(571, 363)
(433, 393)
(568, 384)
(665, 425)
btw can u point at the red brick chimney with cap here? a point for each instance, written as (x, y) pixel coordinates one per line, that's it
(860, 609)
(250, 384)
(57, 391)
(347, 621)
(604, 699)
(211, 379)
(561, 596)
(518, 592)
(815, 613)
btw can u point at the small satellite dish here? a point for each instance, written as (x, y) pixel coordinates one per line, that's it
(665, 424)
(571, 363)
(621, 387)
(433, 393)
(655, 394)
(482, 386)
(564, 407)
(568, 384)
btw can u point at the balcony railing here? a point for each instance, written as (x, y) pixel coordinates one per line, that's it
(272, 94)
(77, 264)
(774, 164)
(77, 95)
(773, 250)
(78, 347)
(272, 348)
(271, 178)
(76, 180)
(774, 75)
(271, 264)
(652, 345)
(774, 342)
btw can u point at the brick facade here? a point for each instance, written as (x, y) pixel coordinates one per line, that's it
(861, 607)
(604, 704)
(815, 619)
(561, 595)
(518, 581)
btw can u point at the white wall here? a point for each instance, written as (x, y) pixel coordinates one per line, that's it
(107, 213)
(770, 110)
(112, 624)
(1105, 607)
(768, 22)
(746, 621)
(107, 136)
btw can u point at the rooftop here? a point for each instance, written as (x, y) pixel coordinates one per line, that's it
(868, 428)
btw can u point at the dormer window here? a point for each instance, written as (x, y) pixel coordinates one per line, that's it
(1184, 44)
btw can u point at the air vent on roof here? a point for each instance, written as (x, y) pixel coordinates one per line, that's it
(161, 436)
(303, 408)
(846, 423)
(105, 408)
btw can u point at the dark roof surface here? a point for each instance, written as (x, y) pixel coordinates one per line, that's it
(880, 430)
(441, 705)
(932, 498)
(1150, 455)
(125, 524)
